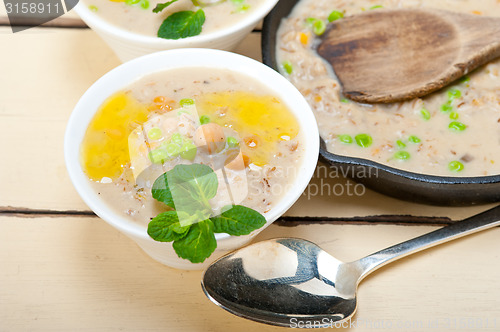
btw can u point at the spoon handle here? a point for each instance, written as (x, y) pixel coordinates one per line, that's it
(482, 221)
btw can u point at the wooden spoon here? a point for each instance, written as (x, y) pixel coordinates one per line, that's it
(393, 55)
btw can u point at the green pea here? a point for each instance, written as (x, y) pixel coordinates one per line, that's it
(154, 133)
(158, 156)
(93, 8)
(402, 155)
(376, 7)
(364, 140)
(335, 15)
(457, 126)
(414, 139)
(346, 139)
(204, 119)
(173, 149)
(186, 102)
(188, 152)
(144, 4)
(287, 66)
(456, 166)
(454, 115)
(232, 142)
(400, 144)
(426, 115)
(454, 94)
(446, 108)
(177, 139)
(319, 27)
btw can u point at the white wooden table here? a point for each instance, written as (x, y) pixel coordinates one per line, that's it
(63, 269)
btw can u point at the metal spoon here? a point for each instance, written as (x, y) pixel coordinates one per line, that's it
(292, 282)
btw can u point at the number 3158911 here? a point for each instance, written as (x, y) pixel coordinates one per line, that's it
(33, 8)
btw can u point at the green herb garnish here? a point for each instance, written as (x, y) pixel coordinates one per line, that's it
(346, 139)
(402, 155)
(364, 140)
(456, 166)
(182, 25)
(287, 67)
(414, 139)
(426, 115)
(400, 144)
(159, 7)
(457, 126)
(191, 227)
(335, 15)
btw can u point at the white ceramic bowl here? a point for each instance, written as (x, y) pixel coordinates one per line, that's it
(122, 76)
(128, 45)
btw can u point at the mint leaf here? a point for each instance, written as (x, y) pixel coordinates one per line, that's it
(159, 7)
(165, 227)
(188, 189)
(239, 220)
(161, 191)
(198, 244)
(191, 187)
(182, 24)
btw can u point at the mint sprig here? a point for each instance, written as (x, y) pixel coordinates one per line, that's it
(191, 228)
(182, 24)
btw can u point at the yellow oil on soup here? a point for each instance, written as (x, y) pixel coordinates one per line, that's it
(104, 150)
(261, 121)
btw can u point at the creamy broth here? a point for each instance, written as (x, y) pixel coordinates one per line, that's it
(454, 132)
(144, 21)
(272, 146)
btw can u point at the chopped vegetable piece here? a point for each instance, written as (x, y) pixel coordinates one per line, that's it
(204, 119)
(446, 108)
(400, 144)
(454, 94)
(335, 15)
(93, 8)
(402, 155)
(454, 115)
(456, 166)
(376, 7)
(364, 140)
(186, 102)
(414, 139)
(173, 149)
(347, 139)
(344, 100)
(232, 142)
(457, 126)
(154, 133)
(188, 151)
(287, 66)
(319, 27)
(158, 156)
(177, 139)
(144, 4)
(426, 115)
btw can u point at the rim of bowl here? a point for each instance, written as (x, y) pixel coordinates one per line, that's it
(95, 20)
(129, 72)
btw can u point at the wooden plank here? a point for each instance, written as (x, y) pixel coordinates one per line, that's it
(70, 274)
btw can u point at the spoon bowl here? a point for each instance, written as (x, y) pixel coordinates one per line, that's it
(293, 282)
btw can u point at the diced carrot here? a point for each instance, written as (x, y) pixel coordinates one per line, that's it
(477, 12)
(304, 38)
(317, 98)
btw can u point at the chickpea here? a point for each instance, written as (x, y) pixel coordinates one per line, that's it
(211, 137)
(238, 163)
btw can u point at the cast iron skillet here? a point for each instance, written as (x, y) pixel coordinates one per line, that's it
(410, 186)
